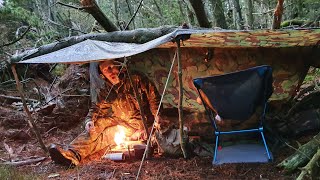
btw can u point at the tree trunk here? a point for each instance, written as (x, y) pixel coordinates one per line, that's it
(182, 11)
(116, 11)
(199, 10)
(249, 16)
(302, 155)
(278, 15)
(190, 13)
(218, 13)
(238, 15)
(92, 8)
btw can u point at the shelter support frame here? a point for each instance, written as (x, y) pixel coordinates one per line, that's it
(30, 120)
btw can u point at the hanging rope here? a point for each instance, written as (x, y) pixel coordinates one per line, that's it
(151, 132)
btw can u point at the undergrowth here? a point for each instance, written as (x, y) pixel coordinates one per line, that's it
(8, 173)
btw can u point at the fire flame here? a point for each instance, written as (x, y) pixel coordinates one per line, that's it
(120, 136)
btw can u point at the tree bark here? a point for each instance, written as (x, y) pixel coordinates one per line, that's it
(249, 16)
(218, 13)
(278, 15)
(190, 13)
(309, 169)
(92, 8)
(200, 12)
(116, 11)
(302, 155)
(131, 14)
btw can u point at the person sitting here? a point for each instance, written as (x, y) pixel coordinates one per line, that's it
(117, 105)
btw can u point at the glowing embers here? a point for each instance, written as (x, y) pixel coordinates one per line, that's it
(120, 136)
(124, 148)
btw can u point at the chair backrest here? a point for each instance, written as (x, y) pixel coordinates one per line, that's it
(236, 95)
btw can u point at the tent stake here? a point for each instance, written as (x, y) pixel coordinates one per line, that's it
(30, 119)
(182, 136)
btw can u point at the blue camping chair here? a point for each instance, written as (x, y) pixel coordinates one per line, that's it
(236, 96)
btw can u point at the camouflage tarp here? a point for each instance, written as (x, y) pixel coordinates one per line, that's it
(93, 50)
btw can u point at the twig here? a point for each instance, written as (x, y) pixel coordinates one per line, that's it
(24, 162)
(113, 173)
(134, 15)
(75, 95)
(70, 28)
(16, 98)
(245, 172)
(16, 40)
(54, 80)
(297, 150)
(70, 6)
(51, 130)
(56, 96)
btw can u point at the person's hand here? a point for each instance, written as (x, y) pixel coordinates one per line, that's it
(89, 126)
(139, 134)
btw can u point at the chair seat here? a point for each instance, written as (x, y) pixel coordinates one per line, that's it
(242, 153)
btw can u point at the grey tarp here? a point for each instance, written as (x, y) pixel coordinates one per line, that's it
(93, 50)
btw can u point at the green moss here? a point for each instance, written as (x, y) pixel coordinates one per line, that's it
(7, 172)
(59, 70)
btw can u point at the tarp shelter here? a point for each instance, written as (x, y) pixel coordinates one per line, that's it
(289, 52)
(302, 41)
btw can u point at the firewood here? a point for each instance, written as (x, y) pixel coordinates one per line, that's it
(309, 168)
(302, 155)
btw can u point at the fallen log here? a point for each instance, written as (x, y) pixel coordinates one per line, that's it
(309, 169)
(302, 156)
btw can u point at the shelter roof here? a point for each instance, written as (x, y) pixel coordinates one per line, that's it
(94, 50)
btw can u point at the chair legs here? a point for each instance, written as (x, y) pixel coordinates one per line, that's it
(216, 148)
(243, 131)
(265, 145)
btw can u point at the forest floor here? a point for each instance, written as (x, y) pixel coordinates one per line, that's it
(156, 167)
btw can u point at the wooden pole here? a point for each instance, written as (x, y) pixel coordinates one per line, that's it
(138, 97)
(182, 136)
(30, 119)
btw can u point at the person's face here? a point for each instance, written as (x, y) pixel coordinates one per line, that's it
(110, 70)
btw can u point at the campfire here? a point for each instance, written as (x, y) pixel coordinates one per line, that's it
(124, 149)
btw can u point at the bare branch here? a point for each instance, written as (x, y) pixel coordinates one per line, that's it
(70, 6)
(70, 28)
(18, 39)
(134, 15)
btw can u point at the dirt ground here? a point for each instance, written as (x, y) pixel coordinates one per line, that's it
(93, 167)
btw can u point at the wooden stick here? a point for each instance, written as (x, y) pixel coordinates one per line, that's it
(13, 98)
(24, 162)
(138, 97)
(182, 139)
(31, 122)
